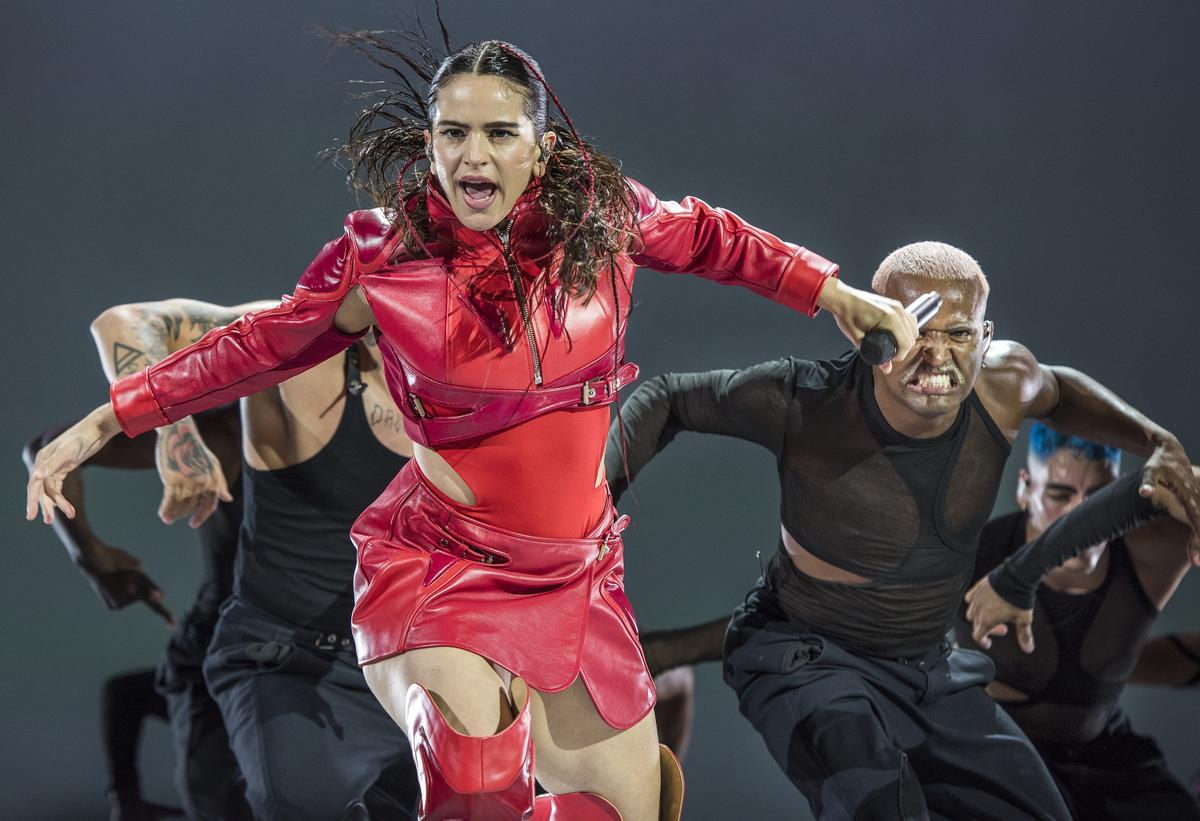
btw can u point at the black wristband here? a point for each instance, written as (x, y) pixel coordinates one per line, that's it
(1110, 512)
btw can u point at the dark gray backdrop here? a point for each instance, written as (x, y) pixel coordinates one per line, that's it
(153, 149)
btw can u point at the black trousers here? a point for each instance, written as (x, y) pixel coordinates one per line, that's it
(206, 773)
(1121, 776)
(126, 701)
(309, 736)
(869, 738)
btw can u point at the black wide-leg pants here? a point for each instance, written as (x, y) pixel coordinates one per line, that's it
(207, 777)
(308, 734)
(869, 738)
(1119, 776)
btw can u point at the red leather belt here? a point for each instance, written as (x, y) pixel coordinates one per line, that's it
(494, 410)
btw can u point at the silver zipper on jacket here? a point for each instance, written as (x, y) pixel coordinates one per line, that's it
(514, 274)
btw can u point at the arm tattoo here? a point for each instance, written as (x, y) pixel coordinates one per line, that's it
(173, 324)
(140, 335)
(202, 325)
(186, 454)
(127, 359)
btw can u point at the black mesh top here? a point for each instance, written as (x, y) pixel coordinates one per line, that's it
(295, 559)
(904, 513)
(1086, 645)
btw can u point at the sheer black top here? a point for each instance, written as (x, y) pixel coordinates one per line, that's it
(1086, 645)
(902, 512)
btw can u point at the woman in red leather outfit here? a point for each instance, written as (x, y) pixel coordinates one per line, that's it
(491, 618)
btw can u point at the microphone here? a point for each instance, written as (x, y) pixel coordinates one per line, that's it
(879, 346)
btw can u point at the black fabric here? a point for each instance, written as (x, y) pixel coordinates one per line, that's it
(1086, 646)
(126, 701)
(1119, 776)
(308, 734)
(904, 513)
(847, 728)
(295, 558)
(207, 777)
(218, 542)
(684, 646)
(1115, 509)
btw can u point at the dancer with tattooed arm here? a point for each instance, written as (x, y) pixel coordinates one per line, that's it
(490, 614)
(314, 450)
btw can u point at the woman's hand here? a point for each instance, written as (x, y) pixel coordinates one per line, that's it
(859, 312)
(68, 451)
(990, 616)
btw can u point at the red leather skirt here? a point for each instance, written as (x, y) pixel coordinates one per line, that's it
(548, 610)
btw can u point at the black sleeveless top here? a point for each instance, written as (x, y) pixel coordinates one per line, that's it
(1086, 646)
(904, 513)
(295, 559)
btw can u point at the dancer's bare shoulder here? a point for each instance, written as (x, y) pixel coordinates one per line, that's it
(1014, 386)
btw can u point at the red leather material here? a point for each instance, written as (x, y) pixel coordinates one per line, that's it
(470, 777)
(538, 478)
(255, 352)
(549, 610)
(596, 383)
(135, 405)
(433, 328)
(262, 348)
(576, 806)
(330, 272)
(479, 370)
(800, 291)
(693, 237)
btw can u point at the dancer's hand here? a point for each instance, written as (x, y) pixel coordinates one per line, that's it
(68, 451)
(990, 616)
(1173, 485)
(860, 312)
(118, 579)
(193, 482)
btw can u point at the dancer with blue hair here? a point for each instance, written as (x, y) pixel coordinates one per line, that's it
(1092, 619)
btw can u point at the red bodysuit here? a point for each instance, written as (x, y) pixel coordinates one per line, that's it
(514, 397)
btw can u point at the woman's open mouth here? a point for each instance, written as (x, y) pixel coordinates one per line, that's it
(478, 192)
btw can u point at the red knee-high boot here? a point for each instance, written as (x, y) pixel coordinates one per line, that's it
(470, 777)
(486, 777)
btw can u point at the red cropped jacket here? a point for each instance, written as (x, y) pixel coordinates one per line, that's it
(469, 337)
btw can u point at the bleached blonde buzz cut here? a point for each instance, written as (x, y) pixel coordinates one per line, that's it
(935, 260)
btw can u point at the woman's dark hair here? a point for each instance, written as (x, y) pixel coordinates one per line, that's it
(584, 195)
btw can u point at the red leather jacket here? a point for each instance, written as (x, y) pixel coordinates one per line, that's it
(469, 340)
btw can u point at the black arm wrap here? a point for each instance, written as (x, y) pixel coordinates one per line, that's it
(1110, 512)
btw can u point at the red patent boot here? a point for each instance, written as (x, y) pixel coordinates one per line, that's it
(467, 777)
